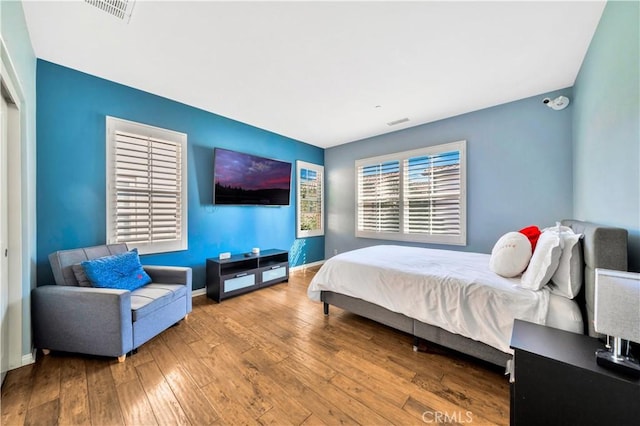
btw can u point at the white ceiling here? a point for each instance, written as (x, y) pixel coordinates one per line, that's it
(325, 73)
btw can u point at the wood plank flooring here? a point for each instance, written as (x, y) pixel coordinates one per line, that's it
(268, 357)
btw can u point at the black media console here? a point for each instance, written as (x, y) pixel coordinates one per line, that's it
(242, 273)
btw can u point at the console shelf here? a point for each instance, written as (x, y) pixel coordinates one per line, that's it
(243, 273)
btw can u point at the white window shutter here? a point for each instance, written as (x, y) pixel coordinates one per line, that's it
(417, 195)
(146, 205)
(432, 194)
(379, 197)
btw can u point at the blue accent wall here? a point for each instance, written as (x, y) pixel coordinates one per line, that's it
(607, 125)
(519, 171)
(71, 168)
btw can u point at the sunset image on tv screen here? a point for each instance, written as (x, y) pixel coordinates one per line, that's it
(249, 179)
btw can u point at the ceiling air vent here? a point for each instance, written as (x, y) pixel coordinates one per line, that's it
(394, 122)
(121, 9)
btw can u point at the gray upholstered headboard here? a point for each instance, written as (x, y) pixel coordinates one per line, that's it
(603, 247)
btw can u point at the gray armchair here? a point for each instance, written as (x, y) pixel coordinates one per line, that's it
(109, 322)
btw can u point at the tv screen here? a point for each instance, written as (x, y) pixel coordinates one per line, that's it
(247, 179)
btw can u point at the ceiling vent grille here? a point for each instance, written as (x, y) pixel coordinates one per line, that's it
(393, 123)
(121, 9)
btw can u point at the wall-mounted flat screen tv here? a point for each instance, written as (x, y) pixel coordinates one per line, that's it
(245, 179)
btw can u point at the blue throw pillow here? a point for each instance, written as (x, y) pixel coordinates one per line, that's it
(121, 271)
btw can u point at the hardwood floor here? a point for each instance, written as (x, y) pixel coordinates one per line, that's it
(268, 357)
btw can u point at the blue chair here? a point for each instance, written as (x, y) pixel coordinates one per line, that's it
(73, 317)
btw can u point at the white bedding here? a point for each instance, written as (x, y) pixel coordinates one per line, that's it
(453, 290)
(564, 314)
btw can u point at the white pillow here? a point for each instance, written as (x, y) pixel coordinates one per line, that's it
(544, 262)
(567, 279)
(510, 256)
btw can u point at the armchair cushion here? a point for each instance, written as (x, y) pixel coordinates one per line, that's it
(152, 297)
(122, 271)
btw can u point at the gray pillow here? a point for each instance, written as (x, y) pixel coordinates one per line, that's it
(81, 277)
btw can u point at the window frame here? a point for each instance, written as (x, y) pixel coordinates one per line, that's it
(304, 233)
(114, 125)
(401, 157)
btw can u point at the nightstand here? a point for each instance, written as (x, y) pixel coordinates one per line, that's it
(557, 381)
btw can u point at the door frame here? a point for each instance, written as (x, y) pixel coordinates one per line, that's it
(21, 215)
(4, 235)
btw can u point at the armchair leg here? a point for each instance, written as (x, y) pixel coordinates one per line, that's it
(46, 351)
(121, 358)
(186, 317)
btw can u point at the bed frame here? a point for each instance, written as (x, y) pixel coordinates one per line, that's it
(602, 246)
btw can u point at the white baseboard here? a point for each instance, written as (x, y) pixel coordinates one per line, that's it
(199, 292)
(29, 358)
(26, 359)
(306, 265)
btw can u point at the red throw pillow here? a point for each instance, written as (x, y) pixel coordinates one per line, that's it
(532, 233)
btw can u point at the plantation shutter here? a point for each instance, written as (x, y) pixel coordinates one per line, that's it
(417, 195)
(148, 189)
(379, 197)
(146, 192)
(432, 194)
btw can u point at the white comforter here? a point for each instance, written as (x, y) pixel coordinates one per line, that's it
(453, 290)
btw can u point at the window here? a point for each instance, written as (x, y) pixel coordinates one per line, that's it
(146, 187)
(310, 205)
(417, 195)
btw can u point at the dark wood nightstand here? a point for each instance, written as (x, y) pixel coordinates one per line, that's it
(557, 381)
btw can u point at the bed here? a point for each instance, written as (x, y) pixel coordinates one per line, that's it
(383, 283)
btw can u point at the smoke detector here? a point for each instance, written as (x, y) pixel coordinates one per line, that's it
(561, 102)
(121, 9)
